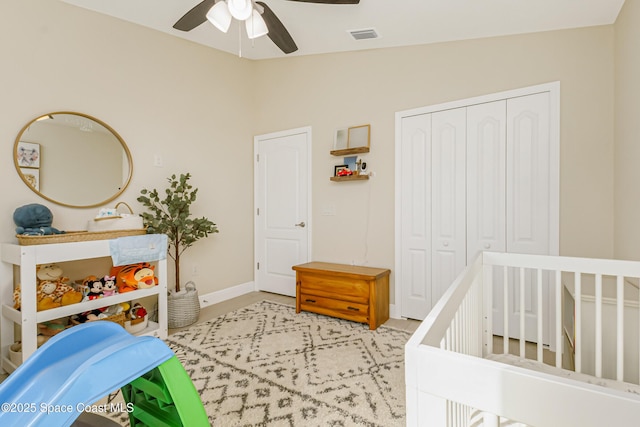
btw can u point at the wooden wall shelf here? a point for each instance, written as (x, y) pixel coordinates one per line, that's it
(349, 178)
(348, 151)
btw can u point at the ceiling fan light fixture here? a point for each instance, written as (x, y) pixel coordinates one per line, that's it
(240, 9)
(256, 27)
(219, 16)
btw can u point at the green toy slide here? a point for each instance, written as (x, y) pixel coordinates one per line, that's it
(64, 378)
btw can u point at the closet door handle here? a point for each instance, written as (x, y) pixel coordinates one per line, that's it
(301, 224)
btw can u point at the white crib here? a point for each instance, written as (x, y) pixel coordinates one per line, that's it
(454, 376)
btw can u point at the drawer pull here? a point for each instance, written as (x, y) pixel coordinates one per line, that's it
(310, 300)
(353, 308)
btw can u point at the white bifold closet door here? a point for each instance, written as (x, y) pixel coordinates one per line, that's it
(475, 178)
(448, 189)
(433, 207)
(415, 212)
(486, 177)
(528, 207)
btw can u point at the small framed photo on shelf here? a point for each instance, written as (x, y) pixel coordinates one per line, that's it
(341, 139)
(338, 169)
(359, 136)
(28, 154)
(351, 163)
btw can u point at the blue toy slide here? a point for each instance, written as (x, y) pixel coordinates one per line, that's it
(73, 370)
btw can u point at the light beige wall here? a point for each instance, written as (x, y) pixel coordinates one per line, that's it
(191, 105)
(627, 132)
(332, 91)
(187, 103)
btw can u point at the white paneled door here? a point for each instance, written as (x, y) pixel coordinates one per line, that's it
(486, 170)
(529, 192)
(433, 218)
(448, 189)
(282, 201)
(478, 175)
(415, 223)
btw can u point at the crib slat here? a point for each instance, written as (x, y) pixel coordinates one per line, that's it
(485, 291)
(559, 319)
(598, 325)
(522, 313)
(539, 303)
(505, 310)
(620, 329)
(578, 322)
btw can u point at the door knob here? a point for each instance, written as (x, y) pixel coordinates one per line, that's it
(301, 224)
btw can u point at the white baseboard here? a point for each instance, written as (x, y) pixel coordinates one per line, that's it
(245, 288)
(226, 294)
(393, 312)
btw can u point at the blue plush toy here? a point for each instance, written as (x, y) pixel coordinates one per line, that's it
(34, 220)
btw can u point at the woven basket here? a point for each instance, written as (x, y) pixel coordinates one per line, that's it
(116, 216)
(183, 307)
(77, 236)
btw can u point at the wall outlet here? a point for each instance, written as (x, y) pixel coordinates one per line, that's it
(157, 160)
(194, 270)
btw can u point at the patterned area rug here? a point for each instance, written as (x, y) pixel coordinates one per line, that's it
(265, 365)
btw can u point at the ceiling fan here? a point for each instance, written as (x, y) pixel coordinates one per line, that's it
(260, 19)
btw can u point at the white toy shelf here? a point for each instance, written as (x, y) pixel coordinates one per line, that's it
(24, 259)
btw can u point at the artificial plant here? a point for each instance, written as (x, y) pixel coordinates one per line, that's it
(171, 215)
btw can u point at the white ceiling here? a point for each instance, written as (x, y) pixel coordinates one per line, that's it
(321, 28)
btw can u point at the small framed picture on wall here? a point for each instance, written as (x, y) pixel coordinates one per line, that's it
(32, 177)
(28, 154)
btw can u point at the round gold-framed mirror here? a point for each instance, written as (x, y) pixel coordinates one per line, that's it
(72, 159)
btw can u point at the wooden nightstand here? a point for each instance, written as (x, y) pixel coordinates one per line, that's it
(350, 292)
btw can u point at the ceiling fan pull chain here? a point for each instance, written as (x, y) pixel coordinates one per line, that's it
(239, 40)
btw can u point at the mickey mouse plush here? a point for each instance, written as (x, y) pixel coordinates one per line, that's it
(95, 289)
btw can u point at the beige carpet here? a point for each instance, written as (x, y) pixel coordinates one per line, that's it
(265, 365)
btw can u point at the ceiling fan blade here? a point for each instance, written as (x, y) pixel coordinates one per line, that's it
(195, 17)
(330, 1)
(277, 32)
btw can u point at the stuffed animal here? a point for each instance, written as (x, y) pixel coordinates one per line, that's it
(137, 311)
(95, 289)
(55, 294)
(134, 276)
(52, 289)
(101, 313)
(34, 220)
(51, 272)
(109, 287)
(17, 298)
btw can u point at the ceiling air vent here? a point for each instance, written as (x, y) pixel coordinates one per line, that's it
(368, 33)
